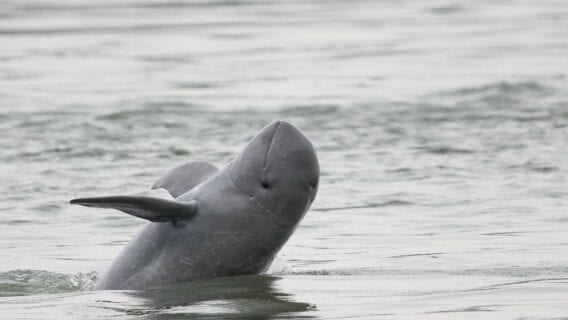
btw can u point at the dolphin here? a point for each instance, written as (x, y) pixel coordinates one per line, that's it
(226, 222)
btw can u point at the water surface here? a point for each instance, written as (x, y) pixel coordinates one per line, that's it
(441, 130)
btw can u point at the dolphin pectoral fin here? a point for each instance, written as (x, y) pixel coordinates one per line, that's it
(183, 178)
(153, 209)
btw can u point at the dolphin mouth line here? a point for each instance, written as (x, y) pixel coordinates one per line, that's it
(269, 149)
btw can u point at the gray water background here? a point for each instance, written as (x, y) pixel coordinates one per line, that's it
(441, 129)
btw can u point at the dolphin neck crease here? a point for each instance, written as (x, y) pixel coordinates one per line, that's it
(251, 197)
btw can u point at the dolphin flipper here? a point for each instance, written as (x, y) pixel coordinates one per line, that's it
(183, 178)
(153, 209)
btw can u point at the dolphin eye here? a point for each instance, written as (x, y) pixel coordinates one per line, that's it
(265, 184)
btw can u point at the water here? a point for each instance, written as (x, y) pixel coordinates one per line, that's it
(441, 129)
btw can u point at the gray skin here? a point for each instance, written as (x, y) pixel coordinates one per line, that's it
(238, 218)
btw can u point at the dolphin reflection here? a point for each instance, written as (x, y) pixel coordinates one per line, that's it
(243, 297)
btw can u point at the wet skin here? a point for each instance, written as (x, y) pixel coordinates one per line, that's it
(229, 222)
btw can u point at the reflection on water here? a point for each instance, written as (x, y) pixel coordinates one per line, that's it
(248, 297)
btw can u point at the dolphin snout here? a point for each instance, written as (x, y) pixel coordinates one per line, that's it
(285, 132)
(279, 151)
(289, 145)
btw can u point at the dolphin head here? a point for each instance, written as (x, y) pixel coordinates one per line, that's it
(279, 171)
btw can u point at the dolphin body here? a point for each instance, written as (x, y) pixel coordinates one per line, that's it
(221, 223)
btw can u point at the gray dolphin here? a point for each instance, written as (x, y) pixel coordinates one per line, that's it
(221, 223)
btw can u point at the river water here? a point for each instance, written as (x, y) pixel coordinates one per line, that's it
(441, 129)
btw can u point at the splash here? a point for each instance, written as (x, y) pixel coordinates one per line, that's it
(30, 282)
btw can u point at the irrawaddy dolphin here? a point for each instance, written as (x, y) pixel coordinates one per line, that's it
(226, 222)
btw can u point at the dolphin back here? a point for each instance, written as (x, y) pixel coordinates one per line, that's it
(183, 178)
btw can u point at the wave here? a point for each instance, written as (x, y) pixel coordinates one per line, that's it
(505, 88)
(30, 282)
(535, 273)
